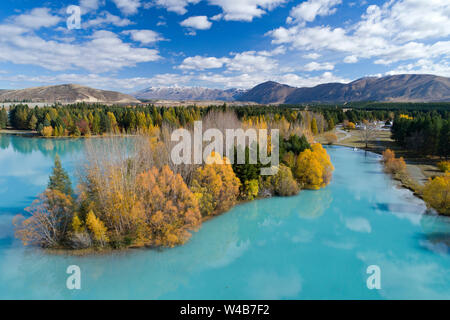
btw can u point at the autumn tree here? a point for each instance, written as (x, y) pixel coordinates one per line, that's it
(97, 228)
(392, 164)
(314, 128)
(47, 131)
(169, 210)
(217, 188)
(251, 189)
(313, 167)
(437, 194)
(444, 166)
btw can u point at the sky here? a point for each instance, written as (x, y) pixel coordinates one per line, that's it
(129, 45)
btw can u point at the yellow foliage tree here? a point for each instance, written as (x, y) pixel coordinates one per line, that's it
(313, 167)
(251, 189)
(98, 229)
(47, 131)
(216, 186)
(314, 128)
(437, 193)
(77, 225)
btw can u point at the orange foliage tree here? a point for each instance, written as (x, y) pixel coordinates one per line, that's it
(168, 208)
(392, 164)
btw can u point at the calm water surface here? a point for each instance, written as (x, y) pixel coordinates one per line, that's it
(316, 245)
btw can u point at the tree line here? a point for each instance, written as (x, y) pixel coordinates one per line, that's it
(424, 133)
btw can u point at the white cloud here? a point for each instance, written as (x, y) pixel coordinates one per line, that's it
(351, 59)
(232, 10)
(247, 80)
(315, 66)
(102, 82)
(384, 33)
(144, 36)
(198, 23)
(103, 51)
(244, 62)
(36, 19)
(250, 62)
(202, 63)
(245, 10)
(177, 6)
(90, 5)
(424, 66)
(128, 7)
(308, 11)
(106, 18)
(312, 56)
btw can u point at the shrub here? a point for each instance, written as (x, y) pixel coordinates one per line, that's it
(444, 166)
(388, 155)
(349, 125)
(284, 184)
(331, 138)
(393, 165)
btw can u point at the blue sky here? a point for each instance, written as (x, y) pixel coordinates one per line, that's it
(128, 45)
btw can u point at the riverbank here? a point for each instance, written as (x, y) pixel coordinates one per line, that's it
(419, 169)
(25, 133)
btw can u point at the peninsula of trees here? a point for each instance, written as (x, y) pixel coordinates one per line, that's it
(130, 194)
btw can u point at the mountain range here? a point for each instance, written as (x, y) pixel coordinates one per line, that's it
(193, 94)
(398, 88)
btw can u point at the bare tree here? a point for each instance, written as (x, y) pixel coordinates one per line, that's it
(367, 132)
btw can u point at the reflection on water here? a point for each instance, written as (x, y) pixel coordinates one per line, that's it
(48, 147)
(437, 231)
(316, 245)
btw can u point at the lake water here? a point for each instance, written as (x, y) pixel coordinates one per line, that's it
(317, 245)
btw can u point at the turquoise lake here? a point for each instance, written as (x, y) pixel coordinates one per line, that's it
(317, 245)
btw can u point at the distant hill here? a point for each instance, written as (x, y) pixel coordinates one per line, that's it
(398, 88)
(268, 92)
(67, 93)
(185, 93)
